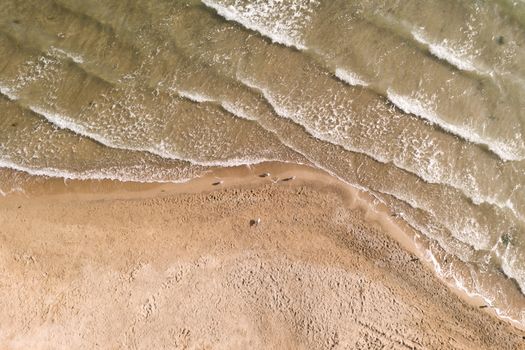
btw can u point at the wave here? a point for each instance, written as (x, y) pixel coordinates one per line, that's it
(465, 56)
(8, 92)
(159, 149)
(276, 34)
(446, 53)
(117, 174)
(474, 196)
(60, 52)
(507, 152)
(461, 285)
(193, 96)
(226, 105)
(350, 78)
(413, 106)
(461, 61)
(327, 131)
(284, 113)
(512, 264)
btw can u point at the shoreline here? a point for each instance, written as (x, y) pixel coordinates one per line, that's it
(244, 178)
(378, 213)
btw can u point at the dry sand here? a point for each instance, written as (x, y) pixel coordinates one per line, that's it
(120, 266)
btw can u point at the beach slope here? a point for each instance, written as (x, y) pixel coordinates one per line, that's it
(166, 270)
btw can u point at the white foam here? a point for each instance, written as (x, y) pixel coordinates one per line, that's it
(194, 96)
(71, 55)
(509, 261)
(277, 33)
(201, 98)
(8, 92)
(121, 174)
(86, 175)
(63, 122)
(236, 111)
(419, 108)
(159, 149)
(350, 77)
(503, 150)
(426, 253)
(459, 284)
(427, 176)
(283, 112)
(13, 190)
(469, 232)
(444, 52)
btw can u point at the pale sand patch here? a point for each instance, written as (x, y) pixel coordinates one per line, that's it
(107, 265)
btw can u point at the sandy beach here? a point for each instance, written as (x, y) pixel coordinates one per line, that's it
(255, 174)
(104, 265)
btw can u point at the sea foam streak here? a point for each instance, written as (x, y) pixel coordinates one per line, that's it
(193, 96)
(278, 33)
(425, 175)
(159, 149)
(513, 152)
(444, 52)
(350, 77)
(226, 105)
(450, 277)
(416, 107)
(8, 92)
(73, 56)
(460, 284)
(117, 173)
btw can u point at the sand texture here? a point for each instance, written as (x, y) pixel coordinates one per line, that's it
(187, 271)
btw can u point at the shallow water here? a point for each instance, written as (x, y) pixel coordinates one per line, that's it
(420, 103)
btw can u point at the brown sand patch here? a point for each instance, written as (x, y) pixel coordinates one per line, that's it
(187, 271)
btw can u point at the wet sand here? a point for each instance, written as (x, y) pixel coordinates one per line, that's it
(140, 266)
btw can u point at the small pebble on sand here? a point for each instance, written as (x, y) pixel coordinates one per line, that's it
(289, 178)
